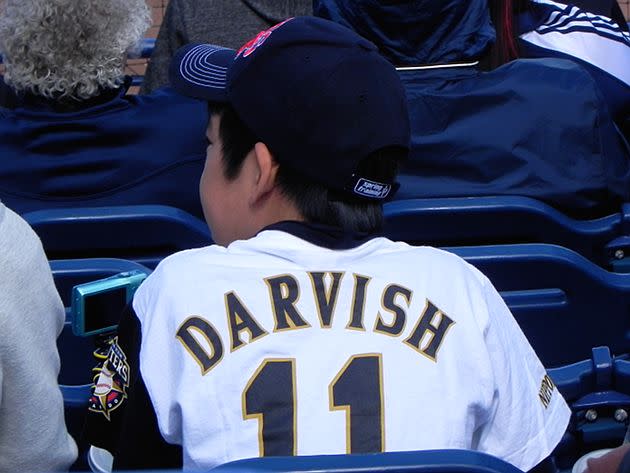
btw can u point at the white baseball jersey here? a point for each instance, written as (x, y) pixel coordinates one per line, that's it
(278, 346)
(281, 346)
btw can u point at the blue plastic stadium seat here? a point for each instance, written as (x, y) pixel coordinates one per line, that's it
(565, 304)
(598, 392)
(500, 220)
(144, 51)
(142, 233)
(428, 461)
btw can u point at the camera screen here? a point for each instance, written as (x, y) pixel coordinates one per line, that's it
(103, 310)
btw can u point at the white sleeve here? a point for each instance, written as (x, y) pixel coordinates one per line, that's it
(33, 435)
(529, 415)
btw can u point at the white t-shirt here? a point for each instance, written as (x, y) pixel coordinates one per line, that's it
(277, 346)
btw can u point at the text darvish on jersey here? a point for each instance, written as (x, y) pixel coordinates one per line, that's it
(426, 336)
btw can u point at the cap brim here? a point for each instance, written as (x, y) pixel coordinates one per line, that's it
(200, 71)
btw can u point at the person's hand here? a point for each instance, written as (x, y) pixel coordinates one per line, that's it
(609, 462)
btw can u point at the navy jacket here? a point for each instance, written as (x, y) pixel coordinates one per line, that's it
(534, 127)
(115, 149)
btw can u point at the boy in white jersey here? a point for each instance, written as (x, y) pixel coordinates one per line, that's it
(303, 332)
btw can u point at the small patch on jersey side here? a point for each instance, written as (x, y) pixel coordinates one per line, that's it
(110, 389)
(546, 390)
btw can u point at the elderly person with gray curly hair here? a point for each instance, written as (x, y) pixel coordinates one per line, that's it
(72, 135)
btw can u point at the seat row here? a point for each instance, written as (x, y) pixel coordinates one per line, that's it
(559, 279)
(552, 271)
(147, 233)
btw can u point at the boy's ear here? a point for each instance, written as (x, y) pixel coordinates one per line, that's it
(266, 172)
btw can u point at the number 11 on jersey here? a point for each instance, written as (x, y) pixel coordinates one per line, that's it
(270, 398)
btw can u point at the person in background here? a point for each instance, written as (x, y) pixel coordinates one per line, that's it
(538, 128)
(545, 28)
(303, 332)
(72, 135)
(33, 435)
(615, 461)
(228, 23)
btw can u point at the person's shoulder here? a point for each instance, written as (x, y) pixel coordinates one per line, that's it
(184, 117)
(570, 17)
(166, 97)
(549, 80)
(185, 264)
(551, 63)
(548, 67)
(190, 256)
(21, 249)
(451, 265)
(15, 233)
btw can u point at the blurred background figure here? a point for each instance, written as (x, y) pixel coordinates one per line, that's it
(545, 28)
(70, 135)
(537, 127)
(228, 23)
(33, 435)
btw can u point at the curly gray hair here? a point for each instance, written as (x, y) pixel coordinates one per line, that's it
(69, 49)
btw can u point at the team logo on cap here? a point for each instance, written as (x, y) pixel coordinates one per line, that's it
(372, 189)
(110, 388)
(260, 38)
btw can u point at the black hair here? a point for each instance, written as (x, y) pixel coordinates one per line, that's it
(315, 202)
(503, 15)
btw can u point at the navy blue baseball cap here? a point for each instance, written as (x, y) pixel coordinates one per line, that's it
(318, 95)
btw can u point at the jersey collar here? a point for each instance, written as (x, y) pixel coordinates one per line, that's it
(326, 236)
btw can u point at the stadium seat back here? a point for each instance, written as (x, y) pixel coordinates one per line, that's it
(428, 461)
(142, 233)
(564, 303)
(499, 220)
